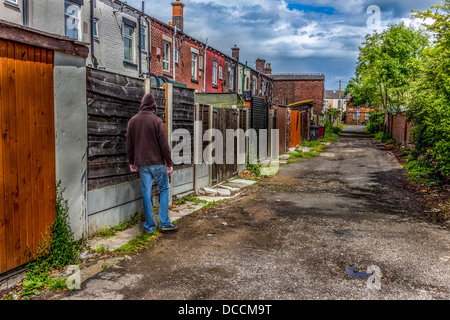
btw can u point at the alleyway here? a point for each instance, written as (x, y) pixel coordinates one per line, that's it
(292, 236)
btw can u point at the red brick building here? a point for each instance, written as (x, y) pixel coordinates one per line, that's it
(176, 55)
(357, 114)
(292, 88)
(215, 61)
(180, 57)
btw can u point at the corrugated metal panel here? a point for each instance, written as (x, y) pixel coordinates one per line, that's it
(259, 120)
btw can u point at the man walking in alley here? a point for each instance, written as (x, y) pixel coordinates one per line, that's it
(149, 152)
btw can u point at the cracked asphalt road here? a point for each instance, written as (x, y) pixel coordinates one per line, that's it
(291, 237)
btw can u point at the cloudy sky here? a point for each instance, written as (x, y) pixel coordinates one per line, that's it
(295, 36)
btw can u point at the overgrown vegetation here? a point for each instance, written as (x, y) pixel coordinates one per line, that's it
(110, 232)
(57, 249)
(401, 67)
(375, 123)
(384, 137)
(142, 242)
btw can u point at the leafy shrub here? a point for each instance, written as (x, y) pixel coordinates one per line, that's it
(375, 123)
(56, 250)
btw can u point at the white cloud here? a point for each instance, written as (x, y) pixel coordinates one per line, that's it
(293, 40)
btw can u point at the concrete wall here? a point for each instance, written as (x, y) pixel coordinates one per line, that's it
(108, 207)
(71, 136)
(109, 47)
(47, 16)
(11, 12)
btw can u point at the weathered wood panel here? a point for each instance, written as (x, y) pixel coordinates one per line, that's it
(296, 129)
(27, 150)
(112, 100)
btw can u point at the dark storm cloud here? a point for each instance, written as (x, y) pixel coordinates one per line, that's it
(310, 36)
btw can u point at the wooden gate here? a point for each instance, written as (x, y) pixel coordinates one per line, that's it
(305, 124)
(224, 119)
(27, 150)
(296, 127)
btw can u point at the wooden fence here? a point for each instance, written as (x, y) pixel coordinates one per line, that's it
(114, 191)
(27, 150)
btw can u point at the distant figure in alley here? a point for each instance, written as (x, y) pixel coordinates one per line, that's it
(148, 152)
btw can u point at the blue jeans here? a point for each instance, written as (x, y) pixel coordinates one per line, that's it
(159, 173)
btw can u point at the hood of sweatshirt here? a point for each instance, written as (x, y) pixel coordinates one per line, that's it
(148, 103)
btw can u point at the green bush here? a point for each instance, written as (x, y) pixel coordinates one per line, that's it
(384, 137)
(422, 171)
(375, 123)
(56, 250)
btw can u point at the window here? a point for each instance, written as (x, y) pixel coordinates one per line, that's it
(143, 38)
(176, 55)
(14, 2)
(166, 56)
(220, 72)
(356, 116)
(95, 29)
(128, 42)
(194, 66)
(72, 20)
(200, 62)
(214, 72)
(231, 81)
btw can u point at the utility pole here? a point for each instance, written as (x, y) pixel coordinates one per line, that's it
(339, 102)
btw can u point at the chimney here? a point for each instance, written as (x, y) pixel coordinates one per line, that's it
(177, 14)
(260, 63)
(268, 69)
(235, 52)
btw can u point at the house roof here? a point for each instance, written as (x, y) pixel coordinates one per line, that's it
(297, 76)
(334, 94)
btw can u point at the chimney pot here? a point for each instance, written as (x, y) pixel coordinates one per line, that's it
(235, 52)
(177, 15)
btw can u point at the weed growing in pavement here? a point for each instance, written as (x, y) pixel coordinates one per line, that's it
(142, 242)
(110, 232)
(56, 250)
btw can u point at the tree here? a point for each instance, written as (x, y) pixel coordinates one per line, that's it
(429, 106)
(387, 63)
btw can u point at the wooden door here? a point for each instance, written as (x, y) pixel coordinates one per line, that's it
(281, 126)
(27, 150)
(224, 119)
(295, 132)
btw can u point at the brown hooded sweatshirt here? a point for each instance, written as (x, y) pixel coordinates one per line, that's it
(146, 136)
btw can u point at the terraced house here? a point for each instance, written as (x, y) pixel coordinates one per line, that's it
(125, 40)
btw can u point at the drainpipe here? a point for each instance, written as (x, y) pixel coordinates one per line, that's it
(25, 13)
(139, 46)
(173, 50)
(94, 59)
(149, 54)
(204, 67)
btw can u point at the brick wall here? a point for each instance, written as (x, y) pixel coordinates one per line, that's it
(291, 91)
(161, 33)
(400, 129)
(210, 56)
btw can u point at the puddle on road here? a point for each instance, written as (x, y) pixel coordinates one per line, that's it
(355, 273)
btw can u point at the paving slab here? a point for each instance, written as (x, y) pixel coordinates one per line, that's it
(223, 192)
(243, 182)
(231, 188)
